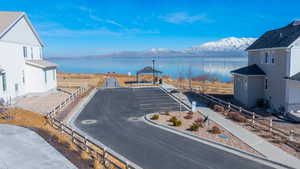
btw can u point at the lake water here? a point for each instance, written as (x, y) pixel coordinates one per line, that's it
(173, 66)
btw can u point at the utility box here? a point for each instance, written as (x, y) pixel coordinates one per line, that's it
(194, 105)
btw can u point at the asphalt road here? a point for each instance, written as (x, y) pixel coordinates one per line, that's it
(150, 147)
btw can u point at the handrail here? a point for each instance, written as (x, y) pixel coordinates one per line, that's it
(83, 142)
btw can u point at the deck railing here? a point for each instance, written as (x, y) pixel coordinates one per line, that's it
(97, 152)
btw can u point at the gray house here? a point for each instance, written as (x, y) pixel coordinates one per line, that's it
(273, 71)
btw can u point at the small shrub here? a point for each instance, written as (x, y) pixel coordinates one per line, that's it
(155, 117)
(97, 164)
(177, 123)
(237, 117)
(173, 119)
(190, 113)
(199, 120)
(189, 116)
(72, 147)
(215, 130)
(218, 108)
(194, 127)
(84, 155)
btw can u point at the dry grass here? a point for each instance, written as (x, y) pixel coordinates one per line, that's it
(204, 86)
(90, 80)
(40, 125)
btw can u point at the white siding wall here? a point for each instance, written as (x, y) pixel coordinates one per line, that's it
(13, 62)
(36, 79)
(295, 61)
(293, 94)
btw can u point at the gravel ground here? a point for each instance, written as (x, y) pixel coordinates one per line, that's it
(42, 103)
(204, 132)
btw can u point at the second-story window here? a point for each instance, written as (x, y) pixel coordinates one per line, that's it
(31, 53)
(266, 58)
(272, 60)
(4, 85)
(25, 51)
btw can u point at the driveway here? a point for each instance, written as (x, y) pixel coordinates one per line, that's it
(116, 112)
(22, 148)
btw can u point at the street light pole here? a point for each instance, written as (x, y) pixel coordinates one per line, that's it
(153, 62)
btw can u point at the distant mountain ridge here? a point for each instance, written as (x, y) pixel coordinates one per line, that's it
(228, 47)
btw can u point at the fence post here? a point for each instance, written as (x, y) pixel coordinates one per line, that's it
(127, 165)
(291, 136)
(240, 109)
(229, 106)
(253, 118)
(104, 157)
(73, 136)
(271, 125)
(61, 127)
(85, 144)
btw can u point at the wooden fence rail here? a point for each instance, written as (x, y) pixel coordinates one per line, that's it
(254, 120)
(97, 152)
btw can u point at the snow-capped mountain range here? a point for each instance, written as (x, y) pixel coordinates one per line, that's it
(231, 46)
(227, 44)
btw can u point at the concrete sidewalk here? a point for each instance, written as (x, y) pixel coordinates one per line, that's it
(270, 151)
(23, 148)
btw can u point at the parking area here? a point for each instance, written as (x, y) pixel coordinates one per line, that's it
(116, 114)
(155, 100)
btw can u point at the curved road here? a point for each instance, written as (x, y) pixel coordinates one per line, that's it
(148, 146)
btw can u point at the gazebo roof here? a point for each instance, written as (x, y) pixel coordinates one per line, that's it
(148, 69)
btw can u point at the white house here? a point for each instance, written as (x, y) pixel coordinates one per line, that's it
(22, 68)
(273, 71)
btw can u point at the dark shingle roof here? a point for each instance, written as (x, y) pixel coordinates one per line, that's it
(148, 69)
(281, 37)
(249, 70)
(296, 77)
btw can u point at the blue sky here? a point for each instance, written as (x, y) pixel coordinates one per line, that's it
(90, 27)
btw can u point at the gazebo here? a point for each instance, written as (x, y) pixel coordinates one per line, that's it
(147, 70)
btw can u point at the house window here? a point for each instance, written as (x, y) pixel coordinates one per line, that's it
(54, 74)
(41, 52)
(25, 51)
(272, 59)
(4, 85)
(31, 53)
(23, 76)
(45, 75)
(266, 58)
(266, 84)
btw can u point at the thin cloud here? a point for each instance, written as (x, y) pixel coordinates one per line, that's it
(183, 17)
(63, 32)
(94, 17)
(52, 29)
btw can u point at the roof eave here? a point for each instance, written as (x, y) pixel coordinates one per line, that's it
(244, 74)
(262, 49)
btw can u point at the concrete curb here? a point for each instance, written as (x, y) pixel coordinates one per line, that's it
(70, 123)
(215, 144)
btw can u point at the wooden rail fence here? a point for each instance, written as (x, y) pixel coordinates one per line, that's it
(96, 152)
(253, 120)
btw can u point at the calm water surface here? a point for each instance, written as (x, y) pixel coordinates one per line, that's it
(173, 66)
